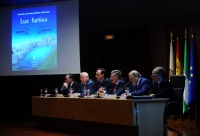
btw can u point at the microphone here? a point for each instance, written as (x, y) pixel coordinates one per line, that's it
(97, 96)
(55, 88)
(75, 86)
(72, 88)
(107, 84)
(123, 87)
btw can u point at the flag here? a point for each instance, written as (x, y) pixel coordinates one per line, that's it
(171, 55)
(186, 74)
(192, 78)
(178, 59)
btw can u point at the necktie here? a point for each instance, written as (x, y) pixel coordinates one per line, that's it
(115, 88)
(136, 87)
(157, 87)
(84, 88)
(99, 85)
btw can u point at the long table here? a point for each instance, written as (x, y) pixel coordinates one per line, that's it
(106, 116)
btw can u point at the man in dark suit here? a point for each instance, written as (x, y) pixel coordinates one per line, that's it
(117, 84)
(69, 86)
(117, 71)
(139, 85)
(102, 81)
(161, 87)
(86, 83)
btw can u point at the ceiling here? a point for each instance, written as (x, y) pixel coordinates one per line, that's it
(111, 14)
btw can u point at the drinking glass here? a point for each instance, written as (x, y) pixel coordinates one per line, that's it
(104, 89)
(56, 91)
(127, 91)
(88, 92)
(71, 90)
(84, 92)
(45, 90)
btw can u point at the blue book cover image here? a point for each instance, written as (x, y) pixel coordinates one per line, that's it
(34, 38)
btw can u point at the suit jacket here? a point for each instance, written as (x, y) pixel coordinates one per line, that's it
(90, 84)
(105, 83)
(75, 87)
(119, 88)
(163, 90)
(142, 88)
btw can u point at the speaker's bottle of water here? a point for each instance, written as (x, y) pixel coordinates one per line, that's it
(41, 93)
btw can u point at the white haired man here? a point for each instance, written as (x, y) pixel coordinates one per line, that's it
(86, 83)
(139, 85)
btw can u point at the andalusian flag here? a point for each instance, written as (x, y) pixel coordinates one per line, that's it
(171, 55)
(193, 75)
(186, 74)
(178, 59)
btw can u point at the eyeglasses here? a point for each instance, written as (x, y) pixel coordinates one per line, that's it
(153, 74)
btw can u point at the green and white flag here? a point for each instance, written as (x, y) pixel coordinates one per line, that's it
(186, 74)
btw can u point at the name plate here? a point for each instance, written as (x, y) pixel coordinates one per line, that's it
(122, 97)
(93, 96)
(55, 95)
(111, 96)
(60, 95)
(74, 95)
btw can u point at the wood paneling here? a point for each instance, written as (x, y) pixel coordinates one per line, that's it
(94, 110)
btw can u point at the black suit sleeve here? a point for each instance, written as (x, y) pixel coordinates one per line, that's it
(165, 90)
(120, 89)
(153, 89)
(65, 91)
(75, 87)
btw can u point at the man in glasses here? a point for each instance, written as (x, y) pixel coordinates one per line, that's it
(161, 87)
(139, 85)
(117, 86)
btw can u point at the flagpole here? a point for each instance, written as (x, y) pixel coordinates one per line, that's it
(184, 69)
(171, 57)
(195, 106)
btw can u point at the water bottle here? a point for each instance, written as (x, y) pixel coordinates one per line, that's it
(41, 93)
(88, 92)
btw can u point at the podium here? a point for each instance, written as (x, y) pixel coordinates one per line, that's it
(92, 116)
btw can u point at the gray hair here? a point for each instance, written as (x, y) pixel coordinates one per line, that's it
(84, 74)
(116, 71)
(135, 73)
(160, 71)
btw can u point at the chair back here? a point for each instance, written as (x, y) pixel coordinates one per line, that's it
(178, 84)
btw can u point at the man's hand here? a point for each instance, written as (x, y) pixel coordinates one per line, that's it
(100, 90)
(152, 95)
(64, 85)
(101, 94)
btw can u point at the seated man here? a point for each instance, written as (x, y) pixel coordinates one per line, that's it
(102, 81)
(117, 71)
(139, 85)
(69, 84)
(117, 86)
(161, 87)
(86, 83)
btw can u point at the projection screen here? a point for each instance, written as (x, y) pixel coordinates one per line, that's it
(40, 39)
